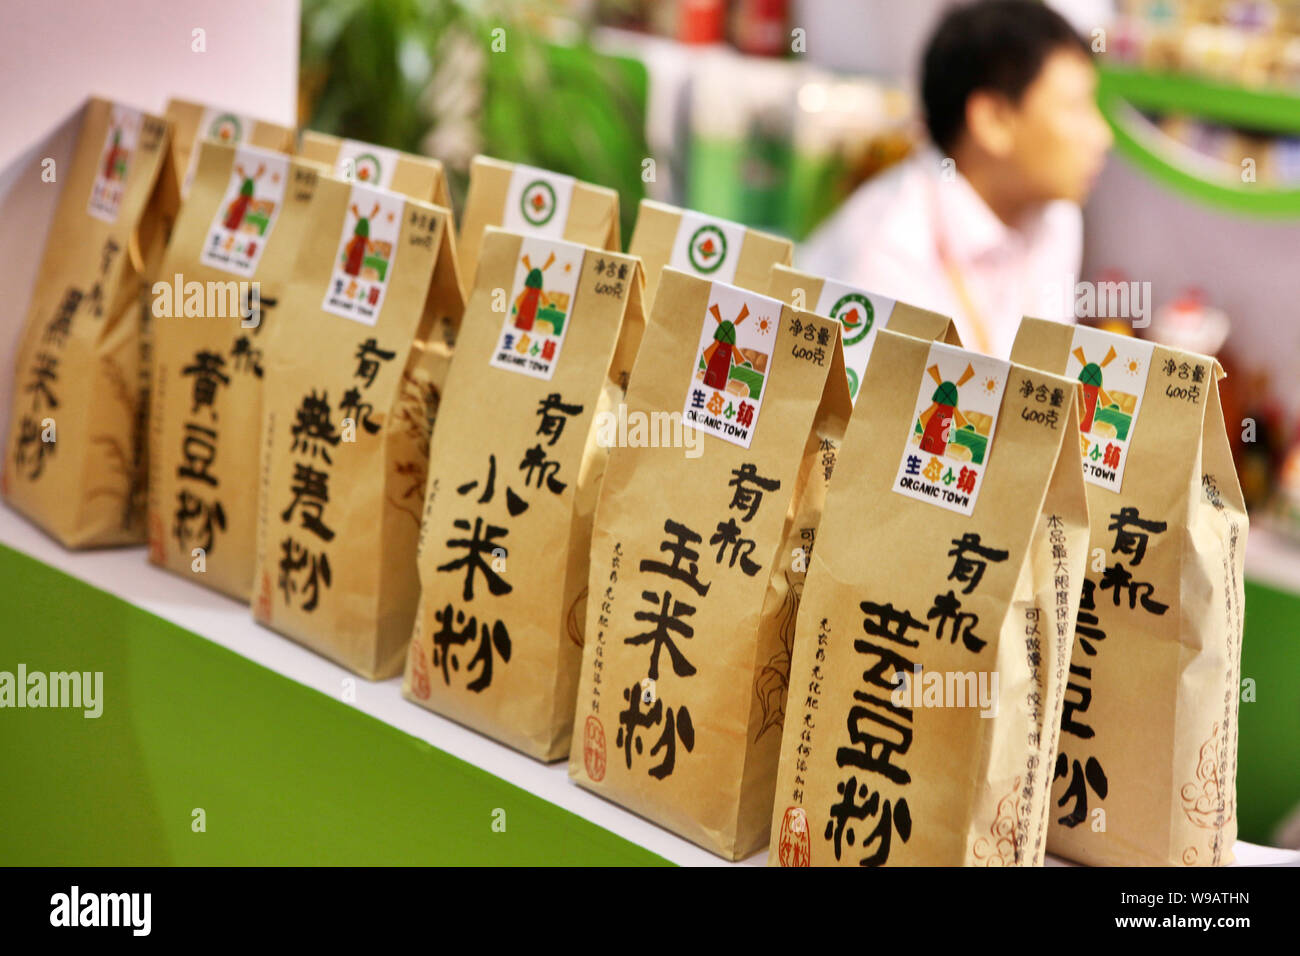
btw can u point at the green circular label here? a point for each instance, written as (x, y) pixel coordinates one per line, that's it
(367, 169)
(707, 249)
(853, 382)
(855, 314)
(537, 203)
(226, 128)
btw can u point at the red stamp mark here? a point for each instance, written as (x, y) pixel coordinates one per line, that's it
(793, 850)
(593, 748)
(419, 672)
(156, 554)
(262, 610)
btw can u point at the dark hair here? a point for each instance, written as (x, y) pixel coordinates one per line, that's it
(996, 45)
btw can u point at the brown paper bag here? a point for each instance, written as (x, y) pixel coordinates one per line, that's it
(859, 314)
(1148, 763)
(420, 177)
(515, 465)
(356, 362)
(76, 454)
(684, 610)
(704, 246)
(222, 282)
(526, 199)
(192, 123)
(935, 626)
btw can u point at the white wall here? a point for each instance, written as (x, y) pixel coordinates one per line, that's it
(55, 53)
(887, 37)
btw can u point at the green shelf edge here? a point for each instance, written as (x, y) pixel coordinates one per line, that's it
(1265, 109)
(1272, 110)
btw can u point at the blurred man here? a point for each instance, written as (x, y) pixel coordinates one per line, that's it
(985, 224)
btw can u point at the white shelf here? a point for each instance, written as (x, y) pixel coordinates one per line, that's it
(127, 574)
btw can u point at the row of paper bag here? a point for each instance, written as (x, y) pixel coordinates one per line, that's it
(770, 559)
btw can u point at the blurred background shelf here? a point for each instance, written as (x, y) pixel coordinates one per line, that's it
(1127, 96)
(1275, 110)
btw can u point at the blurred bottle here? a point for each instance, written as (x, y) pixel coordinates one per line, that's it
(701, 21)
(759, 27)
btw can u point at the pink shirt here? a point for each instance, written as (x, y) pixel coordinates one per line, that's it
(887, 237)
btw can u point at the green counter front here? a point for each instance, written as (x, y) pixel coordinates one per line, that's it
(276, 773)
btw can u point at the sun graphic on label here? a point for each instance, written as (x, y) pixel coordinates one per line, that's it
(568, 267)
(390, 216)
(764, 326)
(1132, 366)
(990, 385)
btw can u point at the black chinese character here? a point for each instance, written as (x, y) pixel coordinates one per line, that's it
(971, 569)
(475, 547)
(310, 490)
(367, 367)
(892, 817)
(667, 617)
(552, 424)
(1081, 777)
(681, 552)
(749, 487)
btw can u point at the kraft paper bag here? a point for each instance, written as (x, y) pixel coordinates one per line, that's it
(526, 200)
(861, 315)
(1148, 764)
(192, 123)
(355, 367)
(687, 600)
(75, 462)
(515, 465)
(704, 246)
(936, 622)
(420, 177)
(222, 283)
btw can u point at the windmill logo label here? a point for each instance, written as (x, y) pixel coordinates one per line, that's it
(363, 264)
(708, 248)
(732, 363)
(109, 185)
(537, 202)
(539, 307)
(247, 212)
(950, 434)
(223, 127)
(861, 316)
(1112, 374)
(365, 164)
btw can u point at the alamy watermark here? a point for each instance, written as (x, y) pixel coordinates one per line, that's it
(1119, 299)
(78, 690)
(179, 299)
(621, 428)
(130, 910)
(946, 689)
